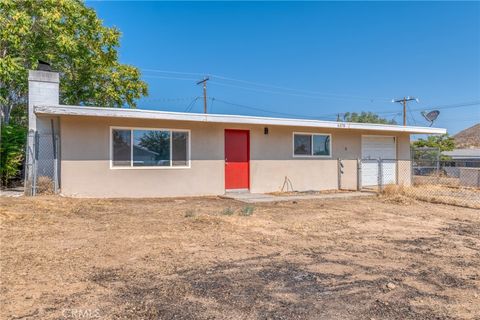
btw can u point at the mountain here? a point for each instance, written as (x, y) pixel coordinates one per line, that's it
(468, 138)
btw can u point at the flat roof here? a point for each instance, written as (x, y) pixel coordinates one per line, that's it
(66, 110)
(463, 153)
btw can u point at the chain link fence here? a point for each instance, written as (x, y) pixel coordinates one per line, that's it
(41, 164)
(447, 181)
(429, 179)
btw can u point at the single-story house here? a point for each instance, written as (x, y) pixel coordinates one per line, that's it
(105, 152)
(464, 157)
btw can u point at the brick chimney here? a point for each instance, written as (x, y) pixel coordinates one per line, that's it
(43, 90)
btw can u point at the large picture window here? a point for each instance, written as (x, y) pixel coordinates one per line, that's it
(311, 145)
(150, 148)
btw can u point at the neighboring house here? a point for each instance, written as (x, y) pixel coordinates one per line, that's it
(465, 165)
(106, 152)
(464, 157)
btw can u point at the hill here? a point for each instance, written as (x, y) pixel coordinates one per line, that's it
(468, 138)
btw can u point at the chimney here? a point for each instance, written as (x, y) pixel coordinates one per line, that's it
(43, 90)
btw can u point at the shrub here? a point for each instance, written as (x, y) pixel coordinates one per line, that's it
(247, 211)
(45, 185)
(228, 211)
(12, 145)
(190, 213)
(392, 189)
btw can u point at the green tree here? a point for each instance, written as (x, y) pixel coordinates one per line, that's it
(73, 40)
(71, 37)
(439, 143)
(12, 149)
(443, 142)
(366, 117)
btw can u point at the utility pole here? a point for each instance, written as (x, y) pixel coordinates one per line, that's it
(404, 102)
(204, 81)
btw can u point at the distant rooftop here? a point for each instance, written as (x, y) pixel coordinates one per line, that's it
(463, 153)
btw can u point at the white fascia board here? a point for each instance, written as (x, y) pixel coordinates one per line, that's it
(223, 118)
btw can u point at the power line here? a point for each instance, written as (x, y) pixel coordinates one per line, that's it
(298, 90)
(452, 106)
(168, 99)
(191, 104)
(173, 72)
(214, 76)
(411, 115)
(264, 110)
(277, 92)
(171, 78)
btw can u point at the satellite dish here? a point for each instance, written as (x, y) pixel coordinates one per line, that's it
(430, 116)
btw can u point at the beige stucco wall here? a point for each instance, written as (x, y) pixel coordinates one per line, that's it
(348, 174)
(86, 172)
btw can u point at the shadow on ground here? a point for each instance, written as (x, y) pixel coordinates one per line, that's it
(270, 287)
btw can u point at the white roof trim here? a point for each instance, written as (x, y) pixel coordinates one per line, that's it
(224, 118)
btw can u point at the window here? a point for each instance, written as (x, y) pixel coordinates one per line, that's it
(311, 144)
(122, 147)
(150, 148)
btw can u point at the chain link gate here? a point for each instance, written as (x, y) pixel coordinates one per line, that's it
(429, 179)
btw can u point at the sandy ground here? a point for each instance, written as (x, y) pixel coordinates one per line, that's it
(204, 258)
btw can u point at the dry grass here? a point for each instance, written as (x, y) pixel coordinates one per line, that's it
(184, 259)
(463, 197)
(45, 186)
(436, 180)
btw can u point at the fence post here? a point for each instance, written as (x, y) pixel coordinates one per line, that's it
(359, 174)
(36, 142)
(411, 173)
(380, 175)
(27, 175)
(339, 173)
(438, 166)
(55, 164)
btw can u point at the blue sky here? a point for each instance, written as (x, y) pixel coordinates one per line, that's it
(309, 59)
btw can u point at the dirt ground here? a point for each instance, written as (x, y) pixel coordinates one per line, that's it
(212, 258)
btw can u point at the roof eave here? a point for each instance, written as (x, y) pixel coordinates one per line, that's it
(67, 110)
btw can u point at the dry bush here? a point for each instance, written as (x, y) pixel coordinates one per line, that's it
(45, 185)
(397, 194)
(431, 193)
(393, 189)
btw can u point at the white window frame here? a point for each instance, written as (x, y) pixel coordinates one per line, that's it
(131, 167)
(311, 141)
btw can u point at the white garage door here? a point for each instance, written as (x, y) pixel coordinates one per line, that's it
(374, 148)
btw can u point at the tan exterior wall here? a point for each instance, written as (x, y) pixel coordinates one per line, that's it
(404, 169)
(86, 172)
(348, 175)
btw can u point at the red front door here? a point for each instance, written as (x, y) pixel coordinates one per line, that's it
(237, 156)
